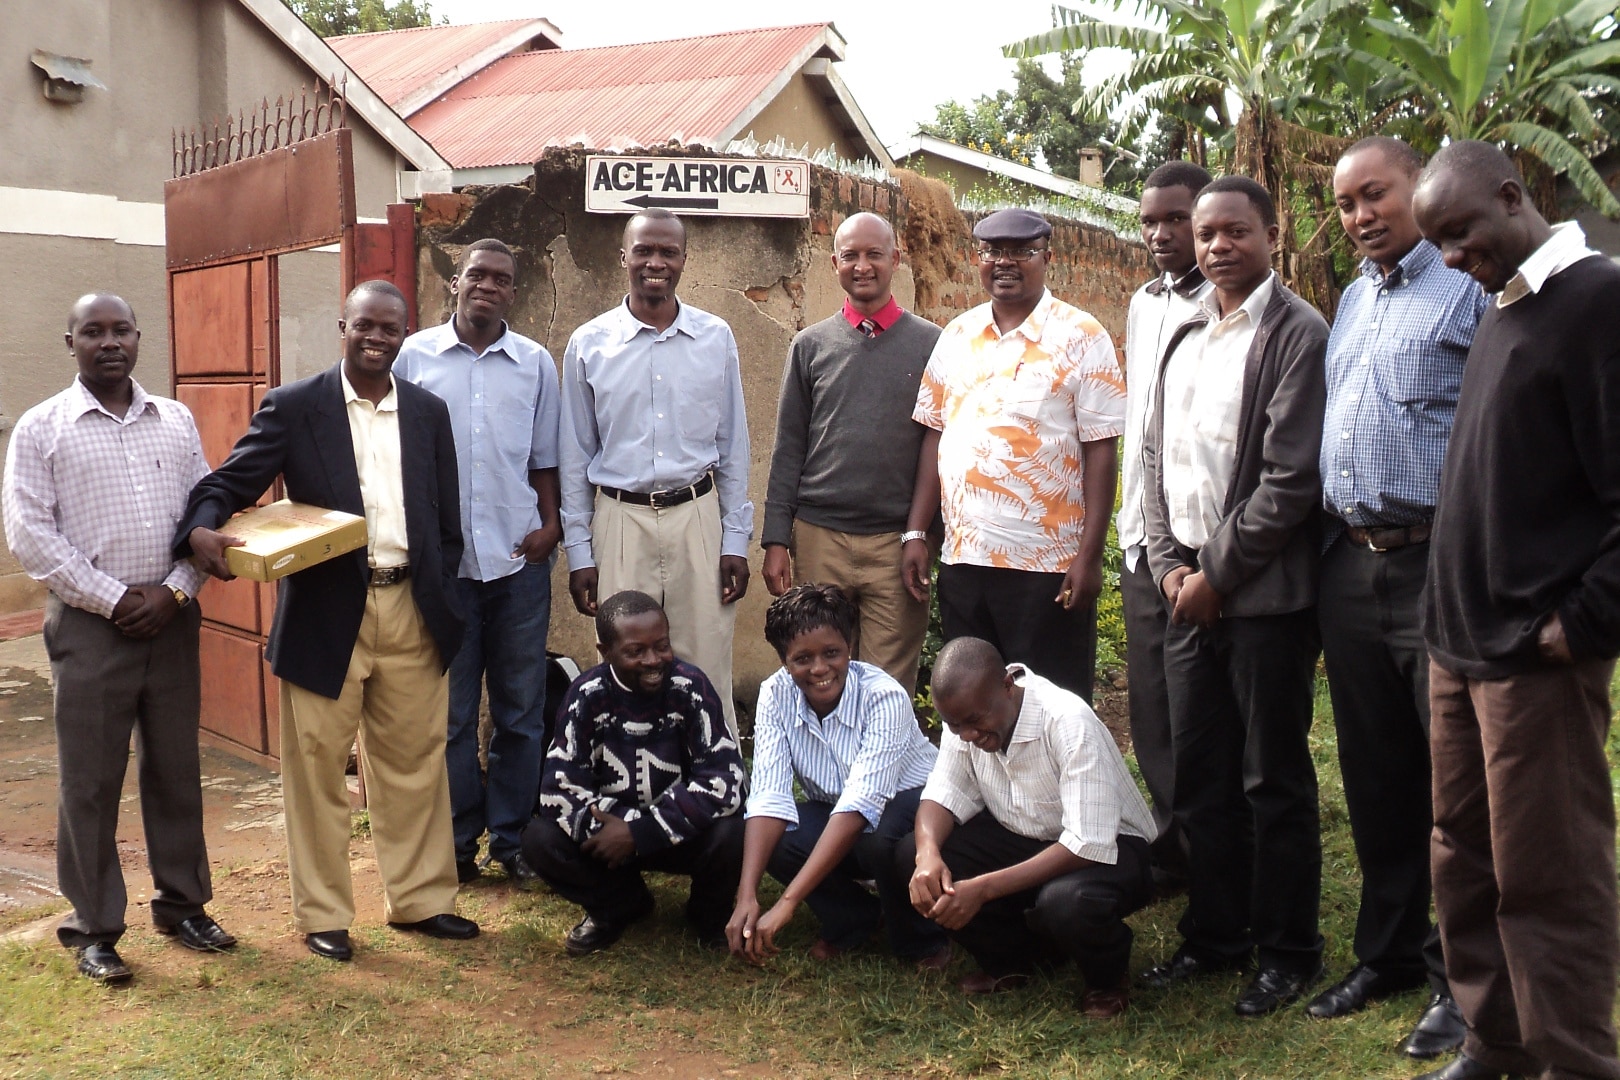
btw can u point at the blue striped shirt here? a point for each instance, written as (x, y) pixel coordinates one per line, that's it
(1394, 370)
(857, 757)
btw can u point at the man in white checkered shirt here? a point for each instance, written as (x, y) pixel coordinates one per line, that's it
(1031, 840)
(96, 479)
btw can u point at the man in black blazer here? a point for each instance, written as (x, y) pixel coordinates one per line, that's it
(360, 642)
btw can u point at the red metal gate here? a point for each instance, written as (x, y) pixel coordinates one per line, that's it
(264, 185)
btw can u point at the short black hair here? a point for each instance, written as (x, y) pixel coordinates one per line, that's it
(488, 243)
(1480, 161)
(90, 298)
(654, 213)
(379, 287)
(1185, 174)
(1258, 196)
(622, 605)
(964, 663)
(808, 607)
(1397, 152)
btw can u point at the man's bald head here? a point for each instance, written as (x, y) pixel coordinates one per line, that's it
(865, 257)
(965, 664)
(864, 222)
(97, 299)
(1471, 203)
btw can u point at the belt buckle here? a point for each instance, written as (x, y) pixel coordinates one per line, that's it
(656, 499)
(1374, 548)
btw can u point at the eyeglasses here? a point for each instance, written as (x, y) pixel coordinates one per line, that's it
(1017, 255)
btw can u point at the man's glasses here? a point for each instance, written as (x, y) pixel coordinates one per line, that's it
(999, 254)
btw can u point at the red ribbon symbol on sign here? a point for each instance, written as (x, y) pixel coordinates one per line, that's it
(787, 178)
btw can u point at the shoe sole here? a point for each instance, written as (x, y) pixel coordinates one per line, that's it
(113, 979)
(169, 931)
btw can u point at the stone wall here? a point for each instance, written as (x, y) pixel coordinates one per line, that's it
(769, 278)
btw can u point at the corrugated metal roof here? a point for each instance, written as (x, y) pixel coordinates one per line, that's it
(397, 63)
(609, 98)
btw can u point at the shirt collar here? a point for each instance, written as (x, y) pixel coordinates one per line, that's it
(885, 317)
(448, 339)
(1186, 286)
(630, 326)
(844, 712)
(1031, 328)
(1028, 726)
(389, 403)
(139, 402)
(1410, 266)
(1565, 247)
(1254, 306)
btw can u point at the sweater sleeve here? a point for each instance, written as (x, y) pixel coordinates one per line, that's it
(712, 780)
(792, 442)
(568, 784)
(1290, 487)
(1591, 611)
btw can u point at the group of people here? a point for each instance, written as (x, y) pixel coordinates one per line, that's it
(1450, 546)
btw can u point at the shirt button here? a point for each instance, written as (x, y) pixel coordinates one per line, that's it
(140, 487)
(478, 431)
(660, 416)
(660, 453)
(1344, 472)
(1344, 435)
(656, 378)
(148, 524)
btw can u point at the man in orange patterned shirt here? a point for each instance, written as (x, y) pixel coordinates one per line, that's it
(1024, 401)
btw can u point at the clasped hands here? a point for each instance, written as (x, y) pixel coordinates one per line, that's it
(1191, 597)
(612, 843)
(950, 903)
(752, 935)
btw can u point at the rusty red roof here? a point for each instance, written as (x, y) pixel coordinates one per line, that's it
(693, 89)
(399, 64)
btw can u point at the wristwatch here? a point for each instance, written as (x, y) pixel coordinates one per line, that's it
(915, 534)
(180, 597)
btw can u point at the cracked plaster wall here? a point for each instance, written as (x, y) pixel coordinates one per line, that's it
(768, 278)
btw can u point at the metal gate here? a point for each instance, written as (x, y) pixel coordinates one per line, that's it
(265, 184)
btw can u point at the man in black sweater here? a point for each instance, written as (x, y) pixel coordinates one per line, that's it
(846, 451)
(1522, 619)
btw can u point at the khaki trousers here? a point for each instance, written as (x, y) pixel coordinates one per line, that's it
(397, 697)
(893, 625)
(672, 555)
(1524, 867)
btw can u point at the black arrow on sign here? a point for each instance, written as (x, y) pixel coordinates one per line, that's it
(645, 201)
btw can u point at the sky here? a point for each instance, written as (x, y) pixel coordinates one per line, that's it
(902, 58)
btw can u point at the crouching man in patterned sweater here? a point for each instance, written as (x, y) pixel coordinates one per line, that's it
(643, 775)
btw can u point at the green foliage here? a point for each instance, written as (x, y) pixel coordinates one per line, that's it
(1034, 118)
(332, 18)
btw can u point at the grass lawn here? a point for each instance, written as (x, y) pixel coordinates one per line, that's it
(511, 1004)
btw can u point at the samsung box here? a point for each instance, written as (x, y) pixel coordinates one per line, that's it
(286, 537)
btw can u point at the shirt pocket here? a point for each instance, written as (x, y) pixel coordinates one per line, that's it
(697, 403)
(1411, 371)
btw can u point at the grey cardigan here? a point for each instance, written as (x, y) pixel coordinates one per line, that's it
(1263, 556)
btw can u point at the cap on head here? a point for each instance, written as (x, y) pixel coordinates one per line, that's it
(1012, 224)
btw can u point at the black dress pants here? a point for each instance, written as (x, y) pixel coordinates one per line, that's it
(1078, 916)
(1371, 613)
(108, 687)
(1145, 621)
(1245, 787)
(712, 859)
(1016, 611)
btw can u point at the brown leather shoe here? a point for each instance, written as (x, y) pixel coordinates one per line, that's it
(982, 982)
(936, 961)
(824, 950)
(1105, 1004)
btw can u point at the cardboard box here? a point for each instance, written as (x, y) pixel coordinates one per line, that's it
(286, 537)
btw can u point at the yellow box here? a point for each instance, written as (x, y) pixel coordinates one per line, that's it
(286, 537)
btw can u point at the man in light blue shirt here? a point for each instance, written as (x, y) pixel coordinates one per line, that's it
(654, 455)
(502, 391)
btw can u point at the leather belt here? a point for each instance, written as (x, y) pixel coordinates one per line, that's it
(1382, 540)
(389, 575)
(662, 500)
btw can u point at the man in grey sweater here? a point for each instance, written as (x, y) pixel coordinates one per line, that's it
(845, 462)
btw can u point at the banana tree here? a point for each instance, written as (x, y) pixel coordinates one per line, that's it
(1539, 76)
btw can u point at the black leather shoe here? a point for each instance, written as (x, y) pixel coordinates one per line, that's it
(332, 944)
(1273, 989)
(467, 870)
(1181, 967)
(200, 933)
(1466, 1068)
(450, 927)
(521, 874)
(100, 962)
(590, 935)
(1440, 1030)
(1356, 991)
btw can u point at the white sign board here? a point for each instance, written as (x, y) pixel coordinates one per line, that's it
(731, 187)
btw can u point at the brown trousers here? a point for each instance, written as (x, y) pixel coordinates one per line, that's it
(1524, 866)
(867, 568)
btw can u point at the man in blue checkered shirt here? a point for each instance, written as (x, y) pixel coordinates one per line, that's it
(1394, 369)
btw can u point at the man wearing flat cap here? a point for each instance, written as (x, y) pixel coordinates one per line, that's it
(1024, 399)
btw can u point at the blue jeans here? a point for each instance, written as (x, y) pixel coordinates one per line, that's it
(848, 913)
(505, 646)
